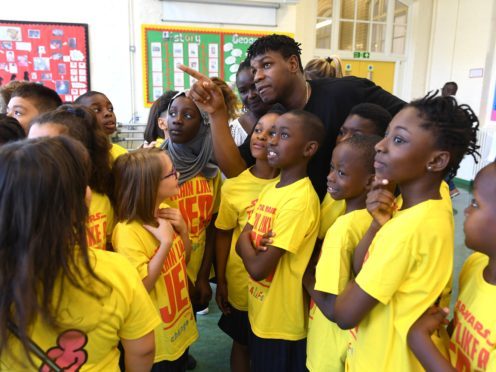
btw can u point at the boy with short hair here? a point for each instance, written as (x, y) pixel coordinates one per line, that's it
(367, 119)
(29, 100)
(350, 178)
(289, 207)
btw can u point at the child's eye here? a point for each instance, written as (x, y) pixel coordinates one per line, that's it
(188, 116)
(284, 135)
(172, 114)
(111, 109)
(17, 113)
(341, 173)
(474, 204)
(272, 133)
(267, 65)
(96, 109)
(257, 130)
(398, 140)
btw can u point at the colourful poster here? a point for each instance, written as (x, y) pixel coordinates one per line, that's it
(52, 54)
(213, 52)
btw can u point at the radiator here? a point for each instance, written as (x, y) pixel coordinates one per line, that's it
(487, 143)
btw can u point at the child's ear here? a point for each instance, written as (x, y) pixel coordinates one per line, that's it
(162, 124)
(87, 196)
(310, 148)
(439, 161)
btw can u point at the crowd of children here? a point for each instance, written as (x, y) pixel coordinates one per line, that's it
(330, 239)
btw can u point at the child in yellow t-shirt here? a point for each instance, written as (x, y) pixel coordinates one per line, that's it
(74, 303)
(155, 239)
(409, 262)
(364, 119)
(289, 207)
(473, 340)
(80, 123)
(238, 198)
(190, 147)
(351, 175)
(105, 116)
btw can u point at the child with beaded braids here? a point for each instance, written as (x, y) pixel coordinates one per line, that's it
(409, 261)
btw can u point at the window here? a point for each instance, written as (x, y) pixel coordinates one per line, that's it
(362, 25)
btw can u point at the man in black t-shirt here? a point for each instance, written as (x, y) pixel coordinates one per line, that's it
(278, 77)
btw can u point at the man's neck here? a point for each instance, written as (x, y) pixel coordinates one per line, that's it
(299, 96)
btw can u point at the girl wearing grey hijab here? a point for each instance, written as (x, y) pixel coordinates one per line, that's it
(190, 148)
(190, 142)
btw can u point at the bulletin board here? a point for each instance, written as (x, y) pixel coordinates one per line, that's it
(213, 52)
(53, 54)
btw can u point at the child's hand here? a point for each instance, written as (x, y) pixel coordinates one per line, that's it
(149, 145)
(429, 322)
(164, 232)
(265, 241)
(205, 93)
(174, 217)
(221, 298)
(380, 201)
(203, 291)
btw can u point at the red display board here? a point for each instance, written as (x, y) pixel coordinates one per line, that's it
(53, 54)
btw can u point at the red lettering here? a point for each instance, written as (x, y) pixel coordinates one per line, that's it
(462, 362)
(205, 208)
(483, 359)
(175, 293)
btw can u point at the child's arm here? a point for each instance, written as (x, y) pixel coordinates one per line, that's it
(324, 301)
(164, 233)
(419, 340)
(202, 285)
(259, 263)
(352, 305)
(222, 247)
(380, 204)
(139, 353)
(175, 218)
(208, 97)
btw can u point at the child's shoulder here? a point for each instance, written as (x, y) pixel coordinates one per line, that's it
(475, 262)
(425, 215)
(354, 223)
(247, 178)
(298, 196)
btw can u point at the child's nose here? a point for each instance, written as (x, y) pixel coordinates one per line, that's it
(379, 147)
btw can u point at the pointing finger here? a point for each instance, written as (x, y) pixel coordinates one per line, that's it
(197, 75)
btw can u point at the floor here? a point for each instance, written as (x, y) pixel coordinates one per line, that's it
(213, 348)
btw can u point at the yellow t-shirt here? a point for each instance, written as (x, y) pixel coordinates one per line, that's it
(159, 141)
(100, 221)
(198, 200)
(408, 265)
(330, 209)
(277, 307)
(473, 342)
(326, 342)
(170, 296)
(116, 151)
(238, 198)
(91, 328)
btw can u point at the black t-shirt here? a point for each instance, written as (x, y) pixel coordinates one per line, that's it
(332, 100)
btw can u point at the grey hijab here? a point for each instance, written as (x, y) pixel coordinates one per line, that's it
(193, 157)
